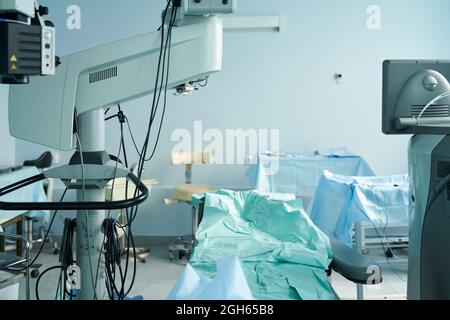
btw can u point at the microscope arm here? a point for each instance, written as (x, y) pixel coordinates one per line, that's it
(44, 111)
(96, 78)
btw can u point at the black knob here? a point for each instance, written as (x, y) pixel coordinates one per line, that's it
(57, 61)
(197, 1)
(225, 2)
(43, 11)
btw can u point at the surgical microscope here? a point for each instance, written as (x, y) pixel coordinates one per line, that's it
(416, 101)
(66, 111)
(27, 42)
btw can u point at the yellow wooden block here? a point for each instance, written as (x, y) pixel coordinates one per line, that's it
(185, 192)
(120, 186)
(190, 158)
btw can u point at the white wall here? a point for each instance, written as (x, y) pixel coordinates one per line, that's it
(272, 81)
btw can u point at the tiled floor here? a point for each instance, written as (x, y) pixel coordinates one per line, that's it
(156, 277)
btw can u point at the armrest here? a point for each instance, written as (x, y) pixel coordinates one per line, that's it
(354, 266)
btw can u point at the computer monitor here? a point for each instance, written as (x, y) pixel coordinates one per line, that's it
(408, 87)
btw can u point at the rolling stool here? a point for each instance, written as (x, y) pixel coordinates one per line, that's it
(182, 248)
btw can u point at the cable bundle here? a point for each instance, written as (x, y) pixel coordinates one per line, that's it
(110, 245)
(66, 253)
(66, 260)
(112, 258)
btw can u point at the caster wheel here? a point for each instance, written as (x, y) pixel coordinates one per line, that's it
(35, 273)
(389, 253)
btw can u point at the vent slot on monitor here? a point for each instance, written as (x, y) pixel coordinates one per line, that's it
(432, 111)
(103, 75)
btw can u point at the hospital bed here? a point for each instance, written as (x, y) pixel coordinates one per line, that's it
(379, 204)
(303, 175)
(364, 212)
(283, 254)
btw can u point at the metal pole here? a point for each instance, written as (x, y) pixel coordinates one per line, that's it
(29, 231)
(91, 128)
(359, 244)
(194, 224)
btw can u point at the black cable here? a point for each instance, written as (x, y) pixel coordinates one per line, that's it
(154, 109)
(110, 245)
(125, 273)
(39, 279)
(58, 286)
(157, 93)
(167, 49)
(108, 215)
(66, 254)
(165, 96)
(132, 138)
(66, 251)
(111, 117)
(112, 256)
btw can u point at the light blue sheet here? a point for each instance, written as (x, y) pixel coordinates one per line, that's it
(342, 201)
(228, 284)
(31, 193)
(283, 254)
(300, 174)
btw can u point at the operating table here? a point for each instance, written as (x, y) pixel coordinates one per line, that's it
(346, 260)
